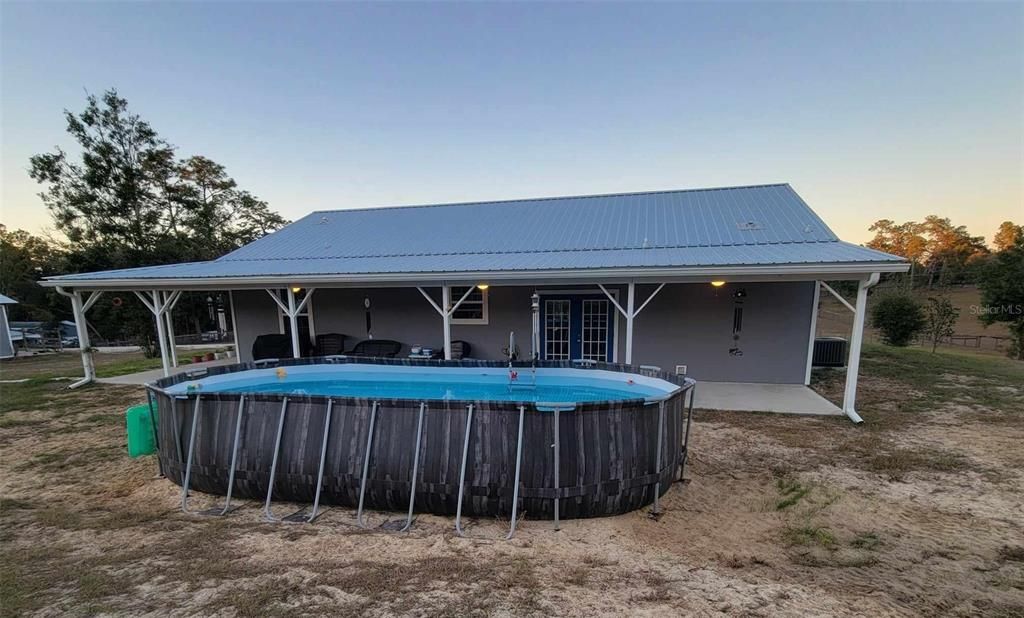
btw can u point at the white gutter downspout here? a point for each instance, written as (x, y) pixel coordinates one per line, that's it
(856, 339)
(77, 308)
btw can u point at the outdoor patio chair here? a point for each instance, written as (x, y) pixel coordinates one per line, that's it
(272, 346)
(329, 344)
(376, 347)
(460, 350)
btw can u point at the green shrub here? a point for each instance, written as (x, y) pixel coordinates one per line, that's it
(899, 317)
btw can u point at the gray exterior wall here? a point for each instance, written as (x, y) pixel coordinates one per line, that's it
(686, 324)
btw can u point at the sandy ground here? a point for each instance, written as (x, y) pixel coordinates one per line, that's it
(920, 512)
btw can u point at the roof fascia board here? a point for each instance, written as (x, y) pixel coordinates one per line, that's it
(800, 272)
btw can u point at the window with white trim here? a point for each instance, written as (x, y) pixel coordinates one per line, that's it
(473, 310)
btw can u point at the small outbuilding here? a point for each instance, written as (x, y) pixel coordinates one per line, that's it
(6, 340)
(719, 284)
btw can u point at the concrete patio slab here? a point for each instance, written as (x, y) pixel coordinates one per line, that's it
(143, 377)
(751, 397)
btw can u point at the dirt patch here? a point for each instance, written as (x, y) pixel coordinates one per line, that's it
(917, 512)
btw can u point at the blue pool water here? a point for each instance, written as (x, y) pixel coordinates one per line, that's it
(447, 390)
(389, 383)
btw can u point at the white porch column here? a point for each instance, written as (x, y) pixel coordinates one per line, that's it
(856, 338)
(446, 316)
(446, 309)
(82, 327)
(293, 320)
(814, 330)
(630, 314)
(170, 330)
(161, 330)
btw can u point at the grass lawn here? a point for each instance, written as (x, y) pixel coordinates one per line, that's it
(69, 364)
(915, 512)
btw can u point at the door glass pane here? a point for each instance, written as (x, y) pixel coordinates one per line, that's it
(556, 329)
(595, 330)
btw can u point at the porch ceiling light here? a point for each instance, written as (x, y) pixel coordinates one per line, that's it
(296, 290)
(482, 286)
(717, 284)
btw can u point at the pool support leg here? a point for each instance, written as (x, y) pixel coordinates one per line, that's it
(686, 434)
(191, 449)
(557, 464)
(323, 459)
(519, 461)
(156, 434)
(267, 514)
(234, 462)
(415, 468)
(656, 510)
(462, 472)
(366, 464)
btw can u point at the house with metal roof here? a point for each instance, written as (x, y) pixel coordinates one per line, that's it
(720, 284)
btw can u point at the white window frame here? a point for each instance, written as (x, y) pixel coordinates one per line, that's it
(457, 292)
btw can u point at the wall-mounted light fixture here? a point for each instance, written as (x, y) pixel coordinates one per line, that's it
(717, 284)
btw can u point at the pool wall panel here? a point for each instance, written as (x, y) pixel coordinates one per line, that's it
(607, 452)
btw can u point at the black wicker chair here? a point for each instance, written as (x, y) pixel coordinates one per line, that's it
(272, 346)
(384, 348)
(329, 344)
(460, 350)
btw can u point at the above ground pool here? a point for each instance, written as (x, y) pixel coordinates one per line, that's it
(526, 384)
(475, 438)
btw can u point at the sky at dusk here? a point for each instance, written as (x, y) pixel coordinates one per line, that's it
(870, 110)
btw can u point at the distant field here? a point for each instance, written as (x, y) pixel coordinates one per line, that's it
(835, 320)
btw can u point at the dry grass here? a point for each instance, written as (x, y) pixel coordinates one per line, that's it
(913, 513)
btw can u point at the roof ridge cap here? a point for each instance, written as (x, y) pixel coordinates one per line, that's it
(550, 198)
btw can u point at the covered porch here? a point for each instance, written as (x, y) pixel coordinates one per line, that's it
(686, 325)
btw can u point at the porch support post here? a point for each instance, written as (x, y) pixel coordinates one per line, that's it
(446, 309)
(856, 338)
(630, 312)
(82, 328)
(630, 300)
(446, 316)
(814, 329)
(161, 330)
(293, 320)
(170, 331)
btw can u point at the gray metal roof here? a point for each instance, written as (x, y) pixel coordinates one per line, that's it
(7, 300)
(758, 225)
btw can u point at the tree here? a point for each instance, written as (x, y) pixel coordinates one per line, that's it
(111, 195)
(127, 200)
(899, 317)
(940, 317)
(1002, 293)
(946, 252)
(905, 240)
(24, 259)
(1007, 235)
(950, 250)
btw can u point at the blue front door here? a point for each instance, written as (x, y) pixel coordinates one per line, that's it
(577, 327)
